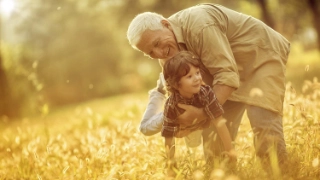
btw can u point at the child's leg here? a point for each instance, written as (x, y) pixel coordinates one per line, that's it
(152, 119)
(212, 144)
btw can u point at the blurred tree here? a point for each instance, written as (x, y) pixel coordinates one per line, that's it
(265, 13)
(22, 85)
(291, 18)
(5, 93)
(314, 5)
(5, 96)
(74, 46)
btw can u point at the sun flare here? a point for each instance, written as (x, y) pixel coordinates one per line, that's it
(6, 7)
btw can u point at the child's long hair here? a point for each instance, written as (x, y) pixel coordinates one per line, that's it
(177, 67)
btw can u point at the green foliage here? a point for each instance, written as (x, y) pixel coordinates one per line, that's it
(100, 140)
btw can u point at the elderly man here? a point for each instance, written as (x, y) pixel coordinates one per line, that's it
(243, 59)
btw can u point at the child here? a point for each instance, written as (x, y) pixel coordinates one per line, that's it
(185, 85)
(152, 119)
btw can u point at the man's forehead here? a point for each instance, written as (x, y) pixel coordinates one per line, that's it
(146, 41)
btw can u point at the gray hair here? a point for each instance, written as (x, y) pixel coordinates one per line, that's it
(141, 23)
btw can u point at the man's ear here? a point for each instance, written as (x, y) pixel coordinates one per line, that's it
(165, 23)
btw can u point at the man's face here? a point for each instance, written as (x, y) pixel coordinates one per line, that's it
(159, 44)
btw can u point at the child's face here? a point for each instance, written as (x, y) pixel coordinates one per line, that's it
(190, 83)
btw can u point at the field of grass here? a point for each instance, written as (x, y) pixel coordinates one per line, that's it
(302, 65)
(100, 140)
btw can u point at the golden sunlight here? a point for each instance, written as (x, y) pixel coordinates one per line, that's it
(6, 7)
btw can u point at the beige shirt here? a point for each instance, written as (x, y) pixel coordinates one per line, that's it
(238, 50)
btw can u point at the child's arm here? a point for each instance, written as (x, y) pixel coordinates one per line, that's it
(225, 137)
(214, 111)
(170, 147)
(152, 119)
(170, 151)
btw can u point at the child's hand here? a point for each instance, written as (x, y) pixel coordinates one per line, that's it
(230, 159)
(232, 154)
(171, 168)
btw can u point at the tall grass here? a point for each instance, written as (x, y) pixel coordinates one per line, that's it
(302, 65)
(99, 140)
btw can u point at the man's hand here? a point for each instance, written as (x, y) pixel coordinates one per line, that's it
(191, 115)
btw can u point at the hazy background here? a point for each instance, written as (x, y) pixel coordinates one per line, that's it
(55, 53)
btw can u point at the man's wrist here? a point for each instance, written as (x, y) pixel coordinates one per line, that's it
(203, 115)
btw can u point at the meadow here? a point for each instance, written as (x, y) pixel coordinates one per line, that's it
(100, 140)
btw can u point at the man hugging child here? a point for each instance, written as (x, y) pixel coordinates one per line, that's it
(185, 86)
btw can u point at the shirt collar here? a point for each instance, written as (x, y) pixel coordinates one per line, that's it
(179, 99)
(178, 34)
